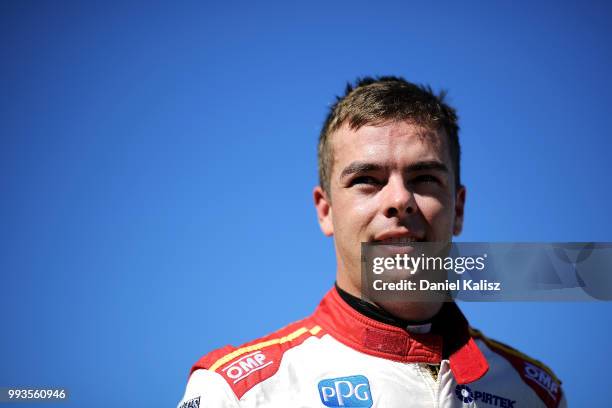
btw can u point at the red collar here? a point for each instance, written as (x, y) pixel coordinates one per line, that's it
(369, 336)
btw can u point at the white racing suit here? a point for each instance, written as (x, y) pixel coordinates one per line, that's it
(338, 357)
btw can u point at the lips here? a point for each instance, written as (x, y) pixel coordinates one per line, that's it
(397, 240)
(397, 237)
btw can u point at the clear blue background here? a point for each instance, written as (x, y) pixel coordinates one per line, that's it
(157, 163)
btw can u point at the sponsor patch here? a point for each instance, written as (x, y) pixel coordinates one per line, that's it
(543, 379)
(464, 393)
(245, 366)
(467, 396)
(353, 391)
(192, 403)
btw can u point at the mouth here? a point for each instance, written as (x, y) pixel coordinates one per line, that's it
(396, 243)
(397, 238)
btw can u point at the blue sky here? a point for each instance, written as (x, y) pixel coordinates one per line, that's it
(157, 165)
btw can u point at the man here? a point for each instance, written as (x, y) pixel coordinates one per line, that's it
(389, 172)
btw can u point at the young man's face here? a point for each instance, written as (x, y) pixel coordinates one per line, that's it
(393, 181)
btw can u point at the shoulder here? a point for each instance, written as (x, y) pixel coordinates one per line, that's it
(245, 366)
(535, 374)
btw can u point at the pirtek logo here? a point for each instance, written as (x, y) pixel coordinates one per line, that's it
(245, 366)
(465, 394)
(542, 378)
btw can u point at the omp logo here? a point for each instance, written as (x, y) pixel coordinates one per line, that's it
(466, 395)
(245, 366)
(353, 391)
(542, 378)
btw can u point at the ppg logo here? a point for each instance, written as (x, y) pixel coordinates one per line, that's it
(353, 391)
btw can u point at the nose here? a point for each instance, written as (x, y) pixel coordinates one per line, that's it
(398, 200)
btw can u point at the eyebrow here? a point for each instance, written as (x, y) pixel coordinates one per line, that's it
(364, 167)
(360, 167)
(427, 165)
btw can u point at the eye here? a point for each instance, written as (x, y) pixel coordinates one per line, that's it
(365, 180)
(426, 178)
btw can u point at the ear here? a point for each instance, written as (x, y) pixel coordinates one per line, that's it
(324, 211)
(459, 210)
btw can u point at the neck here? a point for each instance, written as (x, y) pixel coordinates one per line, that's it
(406, 313)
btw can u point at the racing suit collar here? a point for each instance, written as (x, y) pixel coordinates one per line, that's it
(449, 338)
(381, 315)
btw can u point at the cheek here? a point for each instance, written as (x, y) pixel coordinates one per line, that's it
(437, 215)
(353, 215)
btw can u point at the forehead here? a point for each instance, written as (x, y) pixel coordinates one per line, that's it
(399, 143)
